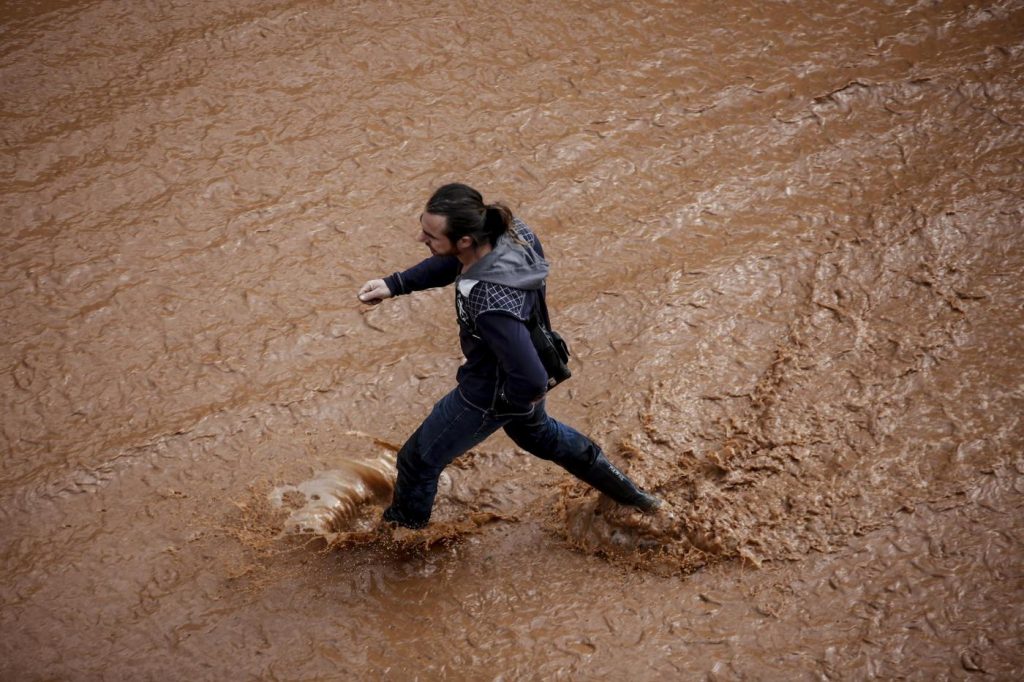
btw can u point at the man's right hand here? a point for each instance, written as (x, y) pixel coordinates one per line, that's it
(374, 291)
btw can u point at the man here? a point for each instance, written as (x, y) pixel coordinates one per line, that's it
(498, 267)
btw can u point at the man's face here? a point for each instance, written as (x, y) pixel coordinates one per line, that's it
(432, 234)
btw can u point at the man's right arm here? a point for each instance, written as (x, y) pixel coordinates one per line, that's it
(436, 271)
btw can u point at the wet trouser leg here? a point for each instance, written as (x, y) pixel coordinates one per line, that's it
(452, 427)
(544, 437)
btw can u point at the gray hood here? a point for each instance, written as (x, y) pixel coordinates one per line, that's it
(512, 263)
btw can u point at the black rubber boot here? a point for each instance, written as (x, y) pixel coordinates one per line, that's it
(393, 515)
(603, 475)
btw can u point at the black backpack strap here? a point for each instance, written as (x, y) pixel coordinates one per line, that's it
(551, 347)
(541, 311)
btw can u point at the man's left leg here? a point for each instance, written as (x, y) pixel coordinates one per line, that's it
(451, 428)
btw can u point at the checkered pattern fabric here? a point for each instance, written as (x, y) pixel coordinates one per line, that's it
(520, 230)
(488, 297)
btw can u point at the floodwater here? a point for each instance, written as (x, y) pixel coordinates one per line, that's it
(787, 244)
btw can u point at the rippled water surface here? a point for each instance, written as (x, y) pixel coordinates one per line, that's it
(787, 243)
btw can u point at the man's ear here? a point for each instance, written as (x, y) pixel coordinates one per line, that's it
(465, 242)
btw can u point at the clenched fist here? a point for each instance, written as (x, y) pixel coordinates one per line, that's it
(374, 291)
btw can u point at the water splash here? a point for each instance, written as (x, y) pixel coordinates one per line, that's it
(331, 501)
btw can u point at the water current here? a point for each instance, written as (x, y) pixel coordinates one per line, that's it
(786, 239)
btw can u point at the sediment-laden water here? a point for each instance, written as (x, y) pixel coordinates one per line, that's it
(787, 242)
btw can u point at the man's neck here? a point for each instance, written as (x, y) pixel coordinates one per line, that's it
(471, 256)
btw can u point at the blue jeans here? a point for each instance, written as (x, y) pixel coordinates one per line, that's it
(454, 426)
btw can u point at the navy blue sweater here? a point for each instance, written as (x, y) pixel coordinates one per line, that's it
(502, 370)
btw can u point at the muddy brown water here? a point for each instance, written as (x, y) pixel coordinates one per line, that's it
(787, 250)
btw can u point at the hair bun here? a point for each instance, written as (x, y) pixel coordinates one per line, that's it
(494, 225)
(467, 215)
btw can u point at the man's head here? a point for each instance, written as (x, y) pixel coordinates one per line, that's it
(457, 220)
(434, 233)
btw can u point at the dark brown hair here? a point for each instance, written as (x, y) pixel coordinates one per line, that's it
(468, 216)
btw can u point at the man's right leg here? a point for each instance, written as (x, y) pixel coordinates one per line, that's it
(544, 437)
(451, 428)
